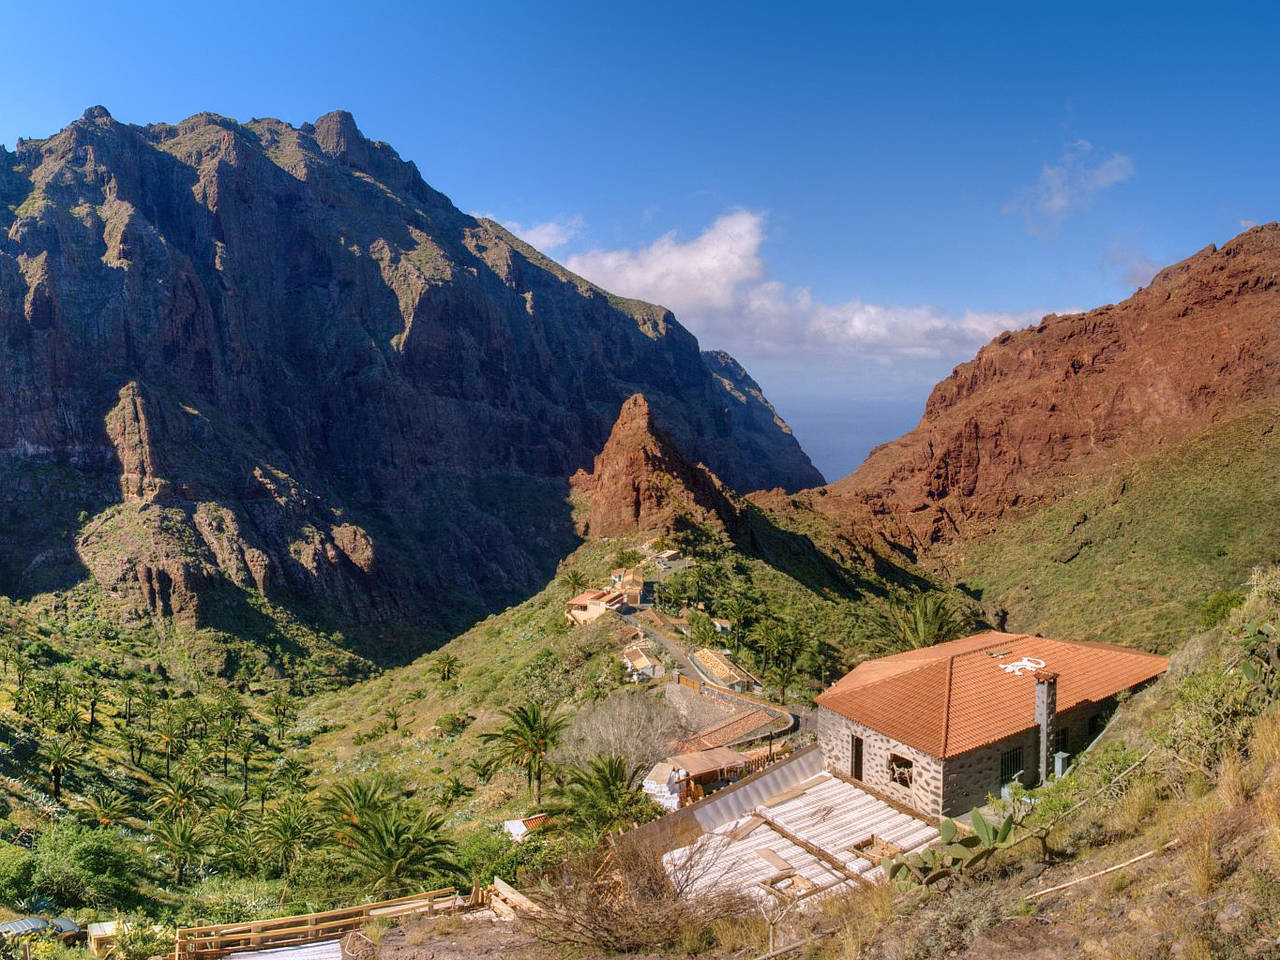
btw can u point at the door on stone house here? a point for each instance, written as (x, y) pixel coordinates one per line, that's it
(855, 756)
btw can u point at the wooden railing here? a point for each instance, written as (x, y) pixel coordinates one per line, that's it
(209, 942)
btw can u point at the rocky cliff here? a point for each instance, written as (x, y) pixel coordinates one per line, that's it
(1039, 409)
(640, 481)
(274, 359)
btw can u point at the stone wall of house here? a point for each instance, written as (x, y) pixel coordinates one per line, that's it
(970, 778)
(955, 786)
(835, 734)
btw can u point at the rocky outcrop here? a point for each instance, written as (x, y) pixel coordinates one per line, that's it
(335, 387)
(641, 481)
(1039, 408)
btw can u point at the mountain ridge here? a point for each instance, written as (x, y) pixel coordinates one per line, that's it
(1039, 408)
(319, 372)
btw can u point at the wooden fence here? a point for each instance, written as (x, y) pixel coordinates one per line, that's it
(210, 942)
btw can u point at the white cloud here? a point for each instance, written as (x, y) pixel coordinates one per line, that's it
(1248, 224)
(1068, 185)
(717, 285)
(1138, 267)
(547, 235)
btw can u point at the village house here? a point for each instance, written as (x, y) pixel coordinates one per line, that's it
(631, 582)
(591, 605)
(941, 728)
(721, 625)
(687, 777)
(719, 669)
(640, 663)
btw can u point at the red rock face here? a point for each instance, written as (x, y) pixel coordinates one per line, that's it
(640, 481)
(334, 386)
(1078, 393)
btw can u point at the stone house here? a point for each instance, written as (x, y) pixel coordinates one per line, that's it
(942, 728)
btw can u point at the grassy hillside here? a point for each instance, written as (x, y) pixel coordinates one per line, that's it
(1134, 557)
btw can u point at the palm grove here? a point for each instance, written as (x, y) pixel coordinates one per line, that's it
(127, 793)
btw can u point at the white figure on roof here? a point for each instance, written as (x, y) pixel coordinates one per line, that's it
(1026, 663)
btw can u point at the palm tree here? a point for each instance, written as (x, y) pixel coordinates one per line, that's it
(528, 736)
(398, 847)
(148, 700)
(285, 831)
(92, 693)
(282, 709)
(600, 797)
(178, 796)
(225, 729)
(350, 802)
(450, 790)
(106, 807)
(736, 608)
(574, 581)
(229, 808)
(785, 646)
(58, 678)
(447, 664)
(128, 693)
(394, 713)
(181, 841)
(59, 756)
(169, 730)
(922, 621)
(702, 631)
(247, 748)
(135, 741)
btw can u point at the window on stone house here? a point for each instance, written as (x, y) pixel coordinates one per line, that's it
(1062, 741)
(1010, 765)
(901, 770)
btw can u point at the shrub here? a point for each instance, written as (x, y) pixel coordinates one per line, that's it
(1217, 606)
(452, 724)
(80, 867)
(484, 853)
(138, 938)
(1212, 714)
(16, 868)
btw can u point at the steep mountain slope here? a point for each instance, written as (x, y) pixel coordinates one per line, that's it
(1078, 396)
(252, 360)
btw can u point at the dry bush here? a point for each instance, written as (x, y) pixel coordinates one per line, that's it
(622, 900)
(1264, 744)
(1269, 813)
(1199, 852)
(632, 724)
(1133, 810)
(1232, 788)
(857, 917)
(747, 934)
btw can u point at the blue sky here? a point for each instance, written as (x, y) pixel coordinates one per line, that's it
(848, 198)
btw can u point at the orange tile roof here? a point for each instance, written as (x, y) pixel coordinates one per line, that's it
(954, 697)
(582, 599)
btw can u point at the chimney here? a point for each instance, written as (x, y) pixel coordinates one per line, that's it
(1046, 713)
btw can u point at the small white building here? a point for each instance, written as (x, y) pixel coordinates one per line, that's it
(687, 777)
(517, 830)
(640, 663)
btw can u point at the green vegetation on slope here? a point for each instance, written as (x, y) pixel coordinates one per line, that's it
(1135, 558)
